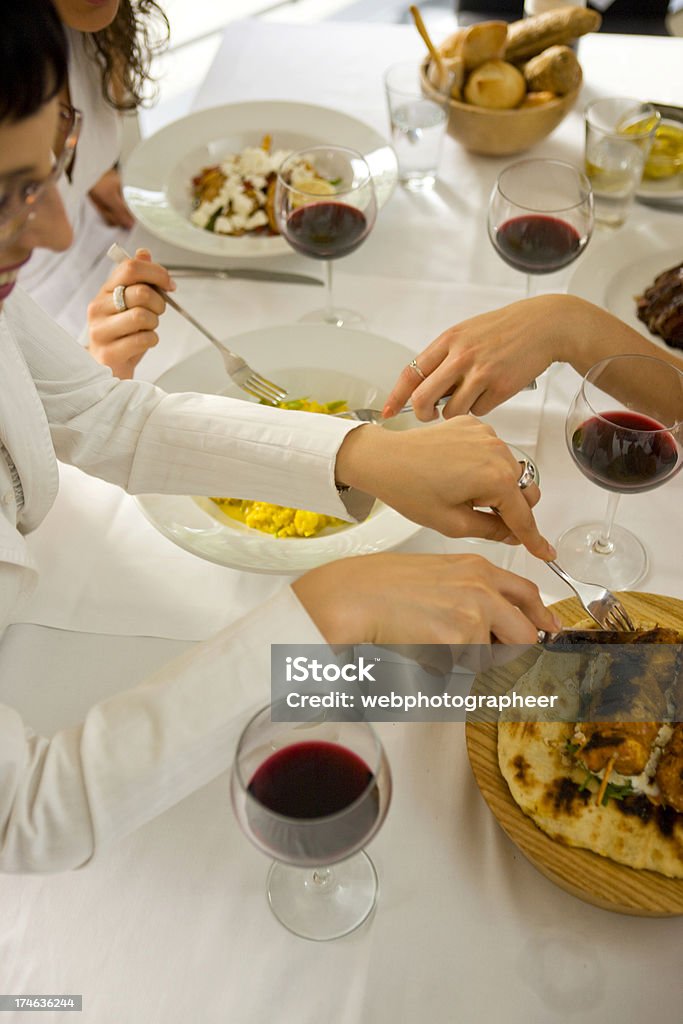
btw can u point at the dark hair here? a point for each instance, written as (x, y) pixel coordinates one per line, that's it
(33, 57)
(125, 49)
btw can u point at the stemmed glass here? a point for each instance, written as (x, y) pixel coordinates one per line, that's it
(311, 795)
(540, 216)
(626, 446)
(325, 207)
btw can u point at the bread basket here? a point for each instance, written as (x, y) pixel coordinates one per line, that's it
(499, 132)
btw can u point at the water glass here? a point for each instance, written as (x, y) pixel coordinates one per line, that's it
(619, 134)
(418, 126)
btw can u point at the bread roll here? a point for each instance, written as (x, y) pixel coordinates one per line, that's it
(532, 35)
(556, 70)
(537, 99)
(451, 81)
(452, 46)
(482, 42)
(496, 84)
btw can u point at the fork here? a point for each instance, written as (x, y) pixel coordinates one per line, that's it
(602, 606)
(237, 368)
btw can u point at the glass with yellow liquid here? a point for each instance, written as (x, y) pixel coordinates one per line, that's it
(619, 134)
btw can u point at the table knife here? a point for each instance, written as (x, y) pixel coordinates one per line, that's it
(246, 273)
(581, 637)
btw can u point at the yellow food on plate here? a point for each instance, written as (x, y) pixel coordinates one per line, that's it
(276, 519)
(279, 520)
(666, 156)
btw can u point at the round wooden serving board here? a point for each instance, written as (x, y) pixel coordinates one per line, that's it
(592, 878)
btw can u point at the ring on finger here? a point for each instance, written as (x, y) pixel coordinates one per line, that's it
(413, 366)
(119, 297)
(528, 475)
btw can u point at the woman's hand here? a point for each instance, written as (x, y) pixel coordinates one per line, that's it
(440, 477)
(485, 360)
(422, 599)
(107, 197)
(120, 339)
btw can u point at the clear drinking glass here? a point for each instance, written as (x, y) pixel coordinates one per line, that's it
(619, 136)
(626, 447)
(325, 206)
(540, 216)
(418, 126)
(311, 794)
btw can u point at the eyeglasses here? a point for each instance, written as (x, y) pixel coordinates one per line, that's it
(17, 203)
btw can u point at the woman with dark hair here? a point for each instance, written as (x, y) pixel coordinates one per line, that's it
(147, 748)
(110, 48)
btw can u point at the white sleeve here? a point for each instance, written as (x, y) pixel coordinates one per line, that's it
(134, 435)
(141, 751)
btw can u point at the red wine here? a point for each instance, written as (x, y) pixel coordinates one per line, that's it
(616, 451)
(326, 230)
(537, 244)
(313, 802)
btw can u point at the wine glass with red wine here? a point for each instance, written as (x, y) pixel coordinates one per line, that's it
(624, 431)
(311, 795)
(540, 216)
(325, 207)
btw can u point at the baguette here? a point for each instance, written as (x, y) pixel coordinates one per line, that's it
(555, 70)
(531, 36)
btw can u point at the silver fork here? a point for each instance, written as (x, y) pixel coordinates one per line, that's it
(237, 368)
(602, 606)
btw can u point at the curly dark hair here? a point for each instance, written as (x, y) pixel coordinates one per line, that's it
(125, 50)
(33, 58)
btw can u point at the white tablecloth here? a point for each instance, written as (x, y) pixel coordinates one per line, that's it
(172, 925)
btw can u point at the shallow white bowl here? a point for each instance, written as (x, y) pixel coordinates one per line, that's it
(309, 360)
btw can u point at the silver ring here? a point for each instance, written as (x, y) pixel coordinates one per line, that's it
(528, 475)
(119, 297)
(413, 366)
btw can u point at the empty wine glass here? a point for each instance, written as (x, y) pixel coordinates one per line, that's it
(540, 216)
(311, 794)
(325, 207)
(626, 446)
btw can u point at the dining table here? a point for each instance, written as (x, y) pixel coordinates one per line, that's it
(171, 924)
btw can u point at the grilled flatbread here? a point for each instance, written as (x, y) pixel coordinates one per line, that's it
(538, 762)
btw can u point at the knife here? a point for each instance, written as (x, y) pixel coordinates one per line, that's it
(581, 637)
(246, 273)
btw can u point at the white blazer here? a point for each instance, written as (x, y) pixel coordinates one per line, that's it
(60, 799)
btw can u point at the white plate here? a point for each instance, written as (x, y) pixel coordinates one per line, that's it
(308, 359)
(157, 176)
(613, 272)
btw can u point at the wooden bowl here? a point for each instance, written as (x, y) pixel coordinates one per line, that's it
(499, 132)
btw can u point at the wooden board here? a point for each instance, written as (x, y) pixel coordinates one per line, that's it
(592, 878)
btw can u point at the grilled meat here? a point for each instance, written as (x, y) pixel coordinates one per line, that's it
(660, 306)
